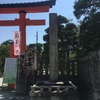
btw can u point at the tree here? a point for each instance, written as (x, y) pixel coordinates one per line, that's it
(90, 25)
(67, 38)
(8, 42)
(86, 7)
(4, 53)
(39, 48)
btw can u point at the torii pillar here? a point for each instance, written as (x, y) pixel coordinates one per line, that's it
(22, 29)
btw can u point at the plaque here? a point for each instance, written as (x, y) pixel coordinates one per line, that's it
(10, 71)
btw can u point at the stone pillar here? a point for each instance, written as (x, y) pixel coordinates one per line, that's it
(35, 67)
(23, 30)
(53, 50)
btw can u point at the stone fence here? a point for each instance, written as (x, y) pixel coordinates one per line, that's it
(89, 73)
(46, 90)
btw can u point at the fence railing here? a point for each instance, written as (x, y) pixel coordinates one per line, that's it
(67, 70)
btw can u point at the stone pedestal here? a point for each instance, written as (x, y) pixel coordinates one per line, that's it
(45, 90)
(54, 98)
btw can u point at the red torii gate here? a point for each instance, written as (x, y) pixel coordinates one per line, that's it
(22, 22)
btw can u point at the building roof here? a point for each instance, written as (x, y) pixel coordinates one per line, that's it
(29, 4)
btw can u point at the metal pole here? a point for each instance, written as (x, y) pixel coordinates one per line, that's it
(36, 39)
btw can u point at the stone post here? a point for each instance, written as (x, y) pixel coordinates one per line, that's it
(53, 50)
(35, 67)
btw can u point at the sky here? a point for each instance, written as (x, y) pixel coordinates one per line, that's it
(62, 7)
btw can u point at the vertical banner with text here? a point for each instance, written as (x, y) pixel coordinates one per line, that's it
(17, 38)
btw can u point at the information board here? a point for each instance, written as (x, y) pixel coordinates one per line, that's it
(10, 71)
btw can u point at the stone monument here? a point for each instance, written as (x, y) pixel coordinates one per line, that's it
(53, 51)
(26, 71)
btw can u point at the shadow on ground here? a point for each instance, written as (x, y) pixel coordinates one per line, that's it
(9, 94)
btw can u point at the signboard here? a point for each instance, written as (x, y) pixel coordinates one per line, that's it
(16, 43)
(10, 71)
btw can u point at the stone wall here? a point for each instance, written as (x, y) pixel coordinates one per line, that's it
(89, 73)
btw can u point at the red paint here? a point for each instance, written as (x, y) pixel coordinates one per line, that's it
(11, 86)
(12, 51)
(22, 22)
(17, 21)
(26, 9)
(22, 29)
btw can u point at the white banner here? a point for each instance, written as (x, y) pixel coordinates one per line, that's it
(17, 43)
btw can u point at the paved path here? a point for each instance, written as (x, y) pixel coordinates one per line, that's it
(9, 94)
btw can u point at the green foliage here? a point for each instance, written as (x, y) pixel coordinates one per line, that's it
(8, 42)
(89, 37)
(85, 7)
(67, 39)
(39, 48)
(4, 53)
(90, 33)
